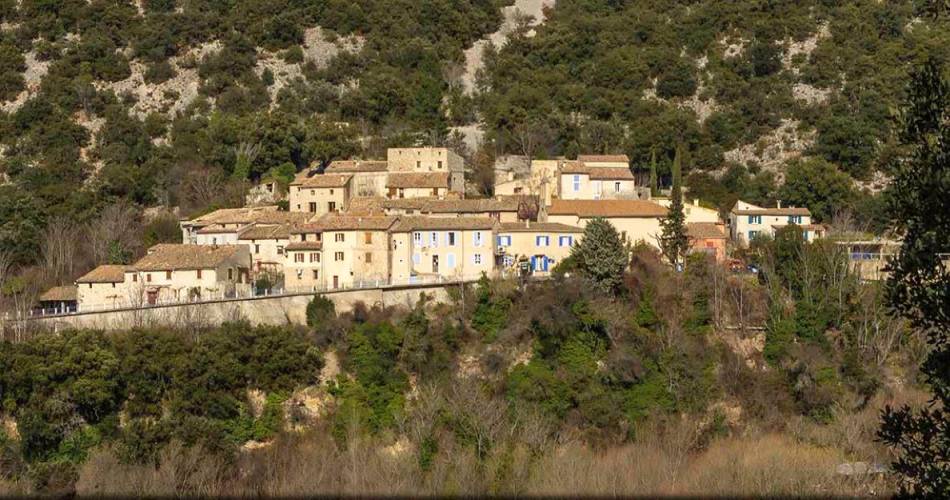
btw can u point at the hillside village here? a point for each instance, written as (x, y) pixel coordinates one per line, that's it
(406, 220)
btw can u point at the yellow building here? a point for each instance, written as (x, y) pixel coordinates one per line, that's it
(267, 245)
(320, 194)
(432, 248)
(502, 209)
(429, 159)
(224, 226)
(580, 181)
(746, 221)
(638, 220)
(303, 259)
(540, 245)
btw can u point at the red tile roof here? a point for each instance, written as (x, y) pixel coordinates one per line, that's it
(607, 208)
(418, 180)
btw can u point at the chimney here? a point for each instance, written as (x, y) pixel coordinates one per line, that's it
(696, 202)
(778, 204)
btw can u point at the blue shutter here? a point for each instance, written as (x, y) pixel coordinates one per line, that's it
(450, 260)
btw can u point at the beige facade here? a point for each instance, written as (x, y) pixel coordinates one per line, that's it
(425, 248)
(303, 260)
(103, 287)
(369, 176)
(429, 159)
(171, 273)
(230, 221)
(320, 194)
(746, 221)
(539, 245)
(605, 161)
(695, 213)
(638, 220)
(586, 184)
(267, 245)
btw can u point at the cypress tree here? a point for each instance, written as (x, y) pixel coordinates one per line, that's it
(919, 283)
(602, 255)
(654, 188)
(674, 241)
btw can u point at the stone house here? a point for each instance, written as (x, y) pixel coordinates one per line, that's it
(320, 194)
(103, 287)
(178, 273)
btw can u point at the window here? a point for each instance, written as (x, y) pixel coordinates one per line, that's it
(313, 206)
(805, 235)
(368, 238)
(280, 250)
(752, 235)
(168, 275)
(418, 164)
(303, 237)
(331, 206)
(541, 241)
(199, 274)
(416, 259)
(331, 191)
(794, 219)
(339, 237)
(577, 183)
(417, 238)
(450, 238)
(434, 239)
(368, 258)
(565, 241)
(257, 248)
(316, 274)
(338, 256)
(478, 238)
(508, 260)
(477, 258)
(450, 261)
(230, 274)
(616, 187)
(298, 257)
(113, 285)
(314, 257)
(214, 241)
(135, 279)
(755, 219)
(504, 241)
(440, 164)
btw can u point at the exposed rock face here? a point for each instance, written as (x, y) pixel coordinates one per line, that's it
(773, 150)
(512, 16)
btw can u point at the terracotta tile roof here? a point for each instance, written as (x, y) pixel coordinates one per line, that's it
(773, 211)
(337, 222)
(574, 167)
(258, 215)
(168, 257)
(105, 274)
(418, 180)
(539, 227)
(65, 293)
(610, 173)
(603, 158)
(705, 231)
(305, 245)
(607, 208)
(216, 229)
(353, 166)
(407, 223)
(507, 204)
(281, 232)
(322, 181)
(308, 228)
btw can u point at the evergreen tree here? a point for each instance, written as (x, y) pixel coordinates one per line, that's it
(674, 241)
(654, 187)
(602, 255)
(919, 282)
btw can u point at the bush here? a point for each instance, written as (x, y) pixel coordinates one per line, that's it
(159, 72)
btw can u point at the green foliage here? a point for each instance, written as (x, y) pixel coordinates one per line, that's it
(674, 241)
(919, 283)
(320, 311)
(491, 310)
(819, 186)
(601, 255)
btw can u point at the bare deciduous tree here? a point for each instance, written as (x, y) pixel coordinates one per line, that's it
(60, 249)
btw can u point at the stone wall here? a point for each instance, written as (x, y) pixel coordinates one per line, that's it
(259, 311)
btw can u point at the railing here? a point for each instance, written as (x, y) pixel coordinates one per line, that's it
(248, 294)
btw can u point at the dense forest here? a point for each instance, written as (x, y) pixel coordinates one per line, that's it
(507, 388)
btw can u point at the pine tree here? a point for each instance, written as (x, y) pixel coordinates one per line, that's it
(674, 241)
(654, 188)
(602, 255)
(919, 282)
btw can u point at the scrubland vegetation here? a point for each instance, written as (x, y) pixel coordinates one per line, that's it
(663, 384)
